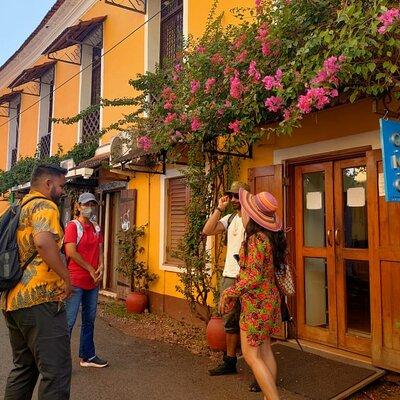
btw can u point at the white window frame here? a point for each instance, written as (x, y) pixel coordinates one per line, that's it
(164, 265)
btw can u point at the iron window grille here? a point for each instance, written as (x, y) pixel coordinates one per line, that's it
(171, 31)
(14, 150)
(44, 146)
(91, 122)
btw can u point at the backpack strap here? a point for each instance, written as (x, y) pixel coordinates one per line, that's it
(79, 230)
(230, 219)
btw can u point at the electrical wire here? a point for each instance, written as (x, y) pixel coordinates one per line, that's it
(164, 5)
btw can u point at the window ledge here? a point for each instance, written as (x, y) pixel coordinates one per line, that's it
(171, 268)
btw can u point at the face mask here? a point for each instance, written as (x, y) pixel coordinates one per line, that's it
(87, 212)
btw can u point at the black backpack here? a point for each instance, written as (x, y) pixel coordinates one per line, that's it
(10, 269)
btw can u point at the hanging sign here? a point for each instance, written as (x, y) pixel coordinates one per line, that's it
(390, 141)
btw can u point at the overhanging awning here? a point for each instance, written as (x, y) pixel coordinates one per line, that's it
(6, 98)
(31, 74)
(74, 35)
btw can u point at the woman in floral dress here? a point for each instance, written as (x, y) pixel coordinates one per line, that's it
(261, 253)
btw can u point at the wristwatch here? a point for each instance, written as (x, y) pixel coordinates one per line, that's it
(221, 211)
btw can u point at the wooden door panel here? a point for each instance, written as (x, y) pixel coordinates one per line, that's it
(385, 271)
(127, 219)
(269, 179)
(308, 255)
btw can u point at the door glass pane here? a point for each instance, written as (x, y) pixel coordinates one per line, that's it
(314, 209)
(357, 296)
(355, 208)
(316, 292)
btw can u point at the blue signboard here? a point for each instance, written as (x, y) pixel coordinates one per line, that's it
(390, 140)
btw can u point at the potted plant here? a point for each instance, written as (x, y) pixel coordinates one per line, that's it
(134, 269)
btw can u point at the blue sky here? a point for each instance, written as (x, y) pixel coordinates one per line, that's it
(18, 19)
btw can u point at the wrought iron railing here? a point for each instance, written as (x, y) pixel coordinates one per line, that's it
(44, 146)
(90, 126)
(14, 153)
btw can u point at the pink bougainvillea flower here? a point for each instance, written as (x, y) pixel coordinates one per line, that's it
(388, 18)
(178, 68)
(183, 118)
(194, 86)
(235, 126)
(315, 97)
(273, 82)
(195, 124)
(287, 114)
(262, 32)
(238, 43)
(242, 56)
(274, 103)
(217, 59)
(228, 104)
(168, 94)
(200, 49)
(334, 93)
(169, 118)
(253, 72)
(266, 48)
(328, 73)
(220, 111)
(210, 82)
(177, 136)
(144, 142)
(237, 87)
(168, 105)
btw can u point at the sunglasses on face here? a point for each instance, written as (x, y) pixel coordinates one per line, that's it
(233, 196)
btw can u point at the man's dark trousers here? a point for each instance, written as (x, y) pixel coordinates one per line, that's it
(40, 345)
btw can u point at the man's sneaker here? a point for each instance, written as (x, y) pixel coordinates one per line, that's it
(95, 362)
(227, 367)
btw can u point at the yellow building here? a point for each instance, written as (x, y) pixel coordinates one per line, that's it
(327, 176)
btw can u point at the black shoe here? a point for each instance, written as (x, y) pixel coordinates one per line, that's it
(227, 367)
(254, 387)
(95, 362)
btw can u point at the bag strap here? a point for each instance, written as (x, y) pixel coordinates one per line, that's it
(230, 219)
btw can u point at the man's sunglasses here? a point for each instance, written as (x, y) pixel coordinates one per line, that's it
(233, 196)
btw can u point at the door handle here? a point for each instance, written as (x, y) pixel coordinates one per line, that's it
(337, 237)
(329, 237)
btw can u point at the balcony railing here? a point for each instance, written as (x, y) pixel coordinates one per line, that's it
(14, 153)
(44, 146)
(90, 126)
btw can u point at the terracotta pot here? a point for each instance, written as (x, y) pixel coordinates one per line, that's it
(136, 302)
(216, 336)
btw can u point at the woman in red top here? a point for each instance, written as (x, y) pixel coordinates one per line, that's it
(84, 250)
(262, 252)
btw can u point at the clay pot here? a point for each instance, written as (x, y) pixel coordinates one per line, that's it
(136, 302)
(216, 336)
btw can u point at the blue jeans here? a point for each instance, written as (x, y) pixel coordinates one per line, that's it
(88, 300)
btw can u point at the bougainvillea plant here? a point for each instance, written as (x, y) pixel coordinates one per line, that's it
(280, 61)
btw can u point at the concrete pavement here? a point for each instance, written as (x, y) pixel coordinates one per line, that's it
(142, 370)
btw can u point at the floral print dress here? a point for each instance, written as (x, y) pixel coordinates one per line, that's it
(260, 313)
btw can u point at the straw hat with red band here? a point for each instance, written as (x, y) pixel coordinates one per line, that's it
(261, 208)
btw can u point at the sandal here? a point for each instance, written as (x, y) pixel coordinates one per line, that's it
(254, 387)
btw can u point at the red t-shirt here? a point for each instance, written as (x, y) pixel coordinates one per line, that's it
(88, 248)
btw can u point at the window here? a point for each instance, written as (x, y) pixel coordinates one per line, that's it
(46, 113)
(176, 217)
(171, 31)
(91, 85)
(13, 133)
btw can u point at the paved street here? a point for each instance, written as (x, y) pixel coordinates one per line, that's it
(142, 370)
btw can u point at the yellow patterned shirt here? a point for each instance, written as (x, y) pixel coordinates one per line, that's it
(39, 283)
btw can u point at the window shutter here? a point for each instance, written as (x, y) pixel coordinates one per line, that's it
(178, 197)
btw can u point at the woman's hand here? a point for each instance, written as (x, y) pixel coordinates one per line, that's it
(99, 273)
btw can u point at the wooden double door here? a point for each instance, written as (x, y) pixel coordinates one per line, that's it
(345, 246)
(332, 254)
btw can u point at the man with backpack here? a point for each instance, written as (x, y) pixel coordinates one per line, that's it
(232, 224)
(35, 282)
